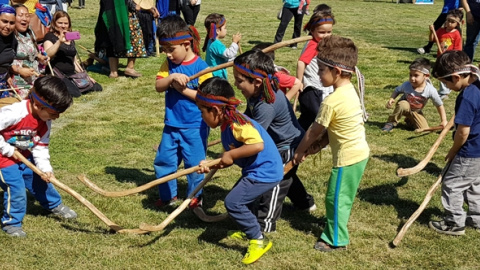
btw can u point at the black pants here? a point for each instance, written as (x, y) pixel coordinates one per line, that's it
(436, 25)
(287, 15)
(310, 100)
(190, 13)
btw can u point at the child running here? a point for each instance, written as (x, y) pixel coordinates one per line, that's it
(416, 92)
(250, 147)
(185, 134)
(319, 26)
(270, 108)
(341, 115)
(25, 126)
(461, 181)
(217, 53)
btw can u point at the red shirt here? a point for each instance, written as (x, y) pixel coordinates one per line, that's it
(450, 41)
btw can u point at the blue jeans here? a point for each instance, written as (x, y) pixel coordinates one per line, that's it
(473, 36)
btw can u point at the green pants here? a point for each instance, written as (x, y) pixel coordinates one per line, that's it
(342, 188)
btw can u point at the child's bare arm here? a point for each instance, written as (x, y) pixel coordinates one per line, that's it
(310, 137)
(163, 84)
(300, 70)
(431, 37)
(443, 116)
(297, 86)
(461, 135)
(228, 157)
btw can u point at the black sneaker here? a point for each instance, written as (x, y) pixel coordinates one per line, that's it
(442, 227)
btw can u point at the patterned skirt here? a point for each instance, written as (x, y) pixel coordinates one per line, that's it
(136, 39)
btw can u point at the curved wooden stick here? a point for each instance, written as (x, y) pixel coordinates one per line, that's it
(401, 172)
(79, 197)
(146, 186)
(295, 102)
(100, 60)
(420, 209)
(420, 130)
(268, 49)
(180, 208)
(432, 29)
(51, 69)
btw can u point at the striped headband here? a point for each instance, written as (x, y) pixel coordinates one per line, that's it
(464, 70)
(178, 39)
(43, 102)
(422, 70)
(326, 20)
(7, 9)
(214, 26)
(360, 81)
(270, 83)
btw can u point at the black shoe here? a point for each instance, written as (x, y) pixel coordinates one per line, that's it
(443, 227)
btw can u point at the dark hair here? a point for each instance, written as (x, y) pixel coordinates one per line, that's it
(173, 24)
(458, 14)
(217, 86)
(321, 11)
(449, 62)
(263, 45)
(339, 50)
(256, 59)
(58, 15)
(54, 91)
(29, 31)
(420, 63)
(211, 18)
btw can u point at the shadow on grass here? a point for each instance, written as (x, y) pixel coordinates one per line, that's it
(302, 220)
(404, 161)
(405, 49)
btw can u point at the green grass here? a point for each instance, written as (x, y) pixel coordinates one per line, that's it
(109, 137)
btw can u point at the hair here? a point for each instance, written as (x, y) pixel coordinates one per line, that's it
(210, 25)
(457, 13)
(449, 62)
(7, 9)
(420, 63)
(54, 91)
(173, 24)
(256, 59)
(263, 45)
(339, 50)
(218, 87)
(29, 31)
(321, 11)
(58, 15)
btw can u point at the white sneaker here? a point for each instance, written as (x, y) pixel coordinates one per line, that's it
(421, 50)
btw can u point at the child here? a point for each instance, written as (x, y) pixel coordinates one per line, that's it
(185, 134)
(319, 26)
(416, 93)
(26, 125)
(287, 83)
(341, 115)
(250, 147)
(217, 53)
(460, 180)
(253, 72)
(439, 22)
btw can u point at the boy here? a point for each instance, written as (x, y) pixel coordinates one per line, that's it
(341, 115)
(461, 181)
(250, 147)
(185, 134)
(26, 126)
(416, 93)
(270, 108)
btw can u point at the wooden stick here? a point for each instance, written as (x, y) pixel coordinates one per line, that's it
(420, 209)
(214, 142)
(144, 187)
(268, 49)
(296, 101)
(12, 89)
(420, 130)
(432, 29)
(100, 60)
(240, 48)
(79, 197)
(50, 67)
(401, 172)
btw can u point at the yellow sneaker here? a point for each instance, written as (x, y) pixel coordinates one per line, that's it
(256, 249)
(238, 235)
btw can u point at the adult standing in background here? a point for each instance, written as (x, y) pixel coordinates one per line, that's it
(190, 10)
(472, 9)
(8, 46)
(290, 10)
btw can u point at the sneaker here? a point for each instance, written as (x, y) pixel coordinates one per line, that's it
(421, 51)
(293, 47)
(160, 203)
(442, 227)
(14, 231)
(64, 211)
(196, 202)
(237, 235)
(324, 247)
(388, 127)
(256, 249)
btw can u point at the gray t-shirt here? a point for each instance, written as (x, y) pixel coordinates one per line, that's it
(418, 100)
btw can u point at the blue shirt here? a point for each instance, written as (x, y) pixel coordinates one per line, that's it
(467, 112)
(450, 5)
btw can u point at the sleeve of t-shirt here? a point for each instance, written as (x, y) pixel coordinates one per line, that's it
(263, 113)
(308, 53)
(433, 94)
(325, 115)
(466, 112)
(247, 134)
(217, 48)
(163, 72)
(400, 89)
(284, 80)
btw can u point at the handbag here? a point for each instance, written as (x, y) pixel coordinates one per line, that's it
(80, 79)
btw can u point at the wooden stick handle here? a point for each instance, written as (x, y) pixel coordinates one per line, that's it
(432, 28)
(420, 209)
(420, 130)
(296, 101)
(268, 49)
(50, 67)
(77, 196)
(401, 172)
(144, 187)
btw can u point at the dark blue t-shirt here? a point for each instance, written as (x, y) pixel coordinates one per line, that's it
(467, 112)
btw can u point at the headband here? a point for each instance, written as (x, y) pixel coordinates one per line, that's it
(326, 20)
(213, 28)
(270, 83)
(360, 81)
(422, 70)
(229, 106)
(181, 37)
(43, 102)
(453, 18)
(7, 9)
(464, 70)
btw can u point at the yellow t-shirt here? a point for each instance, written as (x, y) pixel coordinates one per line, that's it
(341, 114)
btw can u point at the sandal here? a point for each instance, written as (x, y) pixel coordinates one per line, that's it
(324, 247)
(132, 73)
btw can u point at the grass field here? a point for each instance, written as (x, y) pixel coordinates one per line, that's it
(109, 137)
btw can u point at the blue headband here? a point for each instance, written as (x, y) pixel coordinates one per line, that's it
(183, 37)
(327, 20)
(7, 9)
(43, 102)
